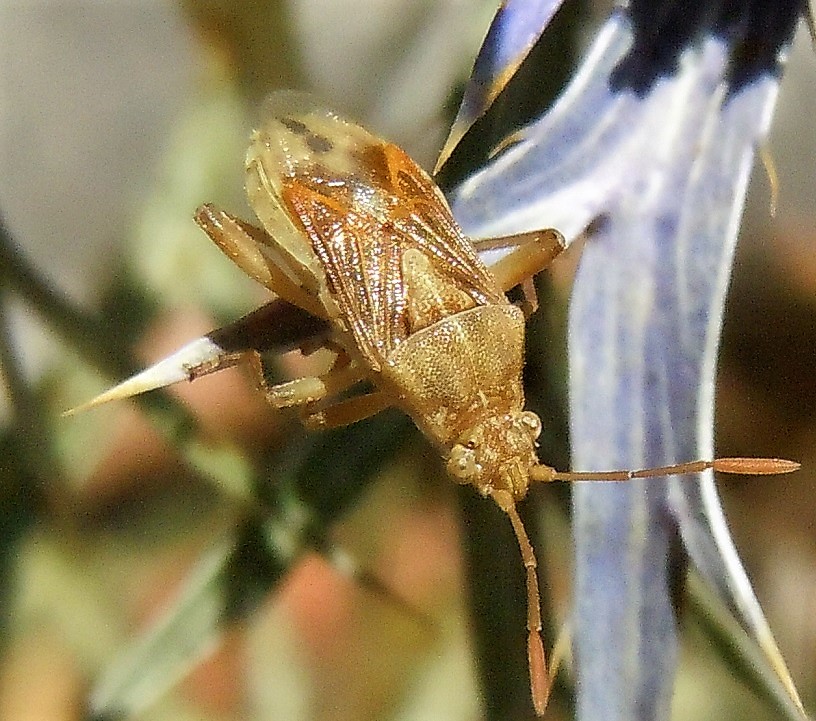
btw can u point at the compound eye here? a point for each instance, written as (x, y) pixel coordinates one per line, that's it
(462, 464)
(532, 423)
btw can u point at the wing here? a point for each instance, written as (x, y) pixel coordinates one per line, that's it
(360, 203)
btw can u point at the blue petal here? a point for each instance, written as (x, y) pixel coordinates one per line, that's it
(514, 31)
(651, 145)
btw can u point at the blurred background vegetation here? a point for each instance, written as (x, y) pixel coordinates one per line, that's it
(118, 119)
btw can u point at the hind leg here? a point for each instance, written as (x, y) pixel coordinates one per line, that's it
(527, 254)
(243, 244)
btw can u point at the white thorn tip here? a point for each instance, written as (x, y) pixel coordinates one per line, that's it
(176, 367)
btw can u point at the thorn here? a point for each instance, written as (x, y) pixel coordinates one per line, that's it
(180, 366)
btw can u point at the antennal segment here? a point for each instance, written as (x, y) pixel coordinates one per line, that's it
(745, 466)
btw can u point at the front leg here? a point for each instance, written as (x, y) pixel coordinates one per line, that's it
(310, 389)
(345, 412)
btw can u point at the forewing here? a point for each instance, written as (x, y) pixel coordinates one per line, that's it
(359, 204)
(430, 224)
(361, 259)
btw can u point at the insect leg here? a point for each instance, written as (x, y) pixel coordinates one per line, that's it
(528, 254)
(245, 244)
(310, 389)
(347, 411)
(541, 678)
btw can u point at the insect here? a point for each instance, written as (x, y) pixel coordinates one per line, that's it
(357, 235)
